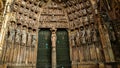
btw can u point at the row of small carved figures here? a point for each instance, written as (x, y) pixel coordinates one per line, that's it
(79, 13)
(78, 7)
(28, 21)
(53, 18)
(52, 11)
(27, 10)
(25, 15)
(29, 3)
(82, 21)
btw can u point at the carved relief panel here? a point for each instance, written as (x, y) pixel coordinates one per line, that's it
(53, 15)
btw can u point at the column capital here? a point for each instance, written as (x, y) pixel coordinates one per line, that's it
(53, 29)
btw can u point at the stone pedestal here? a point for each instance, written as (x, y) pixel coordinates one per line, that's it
(101, 65)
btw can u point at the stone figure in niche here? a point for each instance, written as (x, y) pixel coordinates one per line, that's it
(88, 3)
(24, 35)
(88, 34)
(96, 48)
(93, 33)
(28, 49)
(18, 34)
(77, 38)
(73, 39)
(6, 48)
(34, 38)
(8, 7)
(29, 39)
(88, 40)
(11, 30)
(33, 44)
(23, 44)
(93, 52)
(94, 5)
(82, 35)
(110, 31)
(17, 43)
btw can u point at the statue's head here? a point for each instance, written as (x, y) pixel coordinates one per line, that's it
(81, 28)
(87, 26)
(34, 30)
(92, 24)
(12, 23)
(29, 29)
(24, 27)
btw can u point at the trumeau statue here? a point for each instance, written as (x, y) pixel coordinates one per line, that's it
(53, 39)
(24, 35)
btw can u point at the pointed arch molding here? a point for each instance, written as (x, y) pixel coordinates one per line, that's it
(1, 4)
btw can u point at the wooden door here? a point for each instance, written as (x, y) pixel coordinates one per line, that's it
(62, 46)
(44, 49)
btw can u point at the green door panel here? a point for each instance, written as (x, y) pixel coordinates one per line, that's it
(44, 49)
(63, 57)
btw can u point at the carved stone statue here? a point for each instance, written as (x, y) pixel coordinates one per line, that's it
(94, 5)
(72, 39)
(88, 34)
(11, 31)
(8, 7)
(24, 36)
(34, 39)
(29, 39)
(77, 38)
(82, 36)
(18, 34)
(93, 33)
(53, 39)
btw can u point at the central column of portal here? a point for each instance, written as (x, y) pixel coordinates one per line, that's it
(53, 40)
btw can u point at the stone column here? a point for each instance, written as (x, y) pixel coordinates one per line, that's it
(53, 40)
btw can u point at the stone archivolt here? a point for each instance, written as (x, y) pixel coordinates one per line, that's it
(77, 16)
